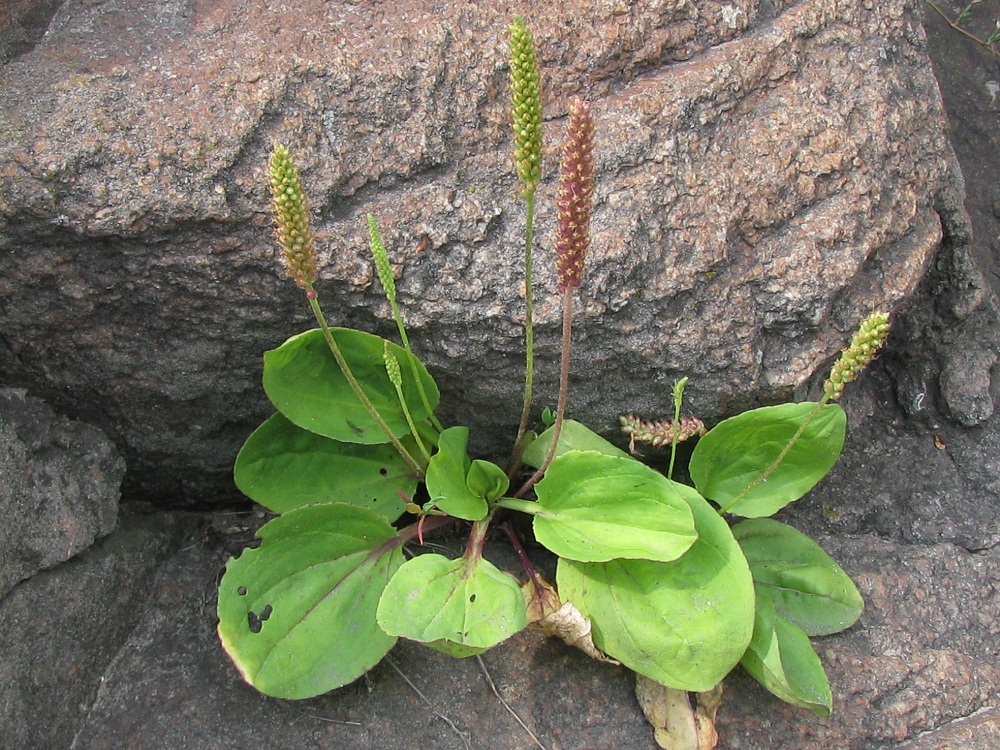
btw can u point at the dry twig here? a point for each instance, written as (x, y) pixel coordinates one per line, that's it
(503, 701)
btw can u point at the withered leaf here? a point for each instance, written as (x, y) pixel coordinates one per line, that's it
(546, 612)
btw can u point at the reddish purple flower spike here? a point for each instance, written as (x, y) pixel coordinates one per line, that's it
(576, 196)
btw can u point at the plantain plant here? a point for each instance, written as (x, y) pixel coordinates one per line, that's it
(678, 583)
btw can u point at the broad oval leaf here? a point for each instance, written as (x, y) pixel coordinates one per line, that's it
(304, 382)
(470, 604)
(447, 477)
(732, 456)
(594, 508)
(297, 614)
(283, 467)
(574, 436)
(684, 624)
(805, 584)
(782, 659)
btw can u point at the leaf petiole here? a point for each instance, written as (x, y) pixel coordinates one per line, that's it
(515, 503)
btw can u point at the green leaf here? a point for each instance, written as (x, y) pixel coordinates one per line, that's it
(447, 475)
(684, 624)
(282, 467)
(804, 583)
(731, 456)
(573, 437)
(486, 480)
(297, 614)
(470, 604)
(595, 508)
(303, 381)
(781, 659)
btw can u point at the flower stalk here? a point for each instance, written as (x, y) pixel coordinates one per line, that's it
(576, 204)
(396, 378)
(867, 340)
(298, 246)
(385, 277)
(526, 116)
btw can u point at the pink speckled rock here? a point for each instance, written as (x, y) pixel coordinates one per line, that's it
(767, 173)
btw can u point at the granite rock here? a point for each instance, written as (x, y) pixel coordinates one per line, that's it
(60, 484)
(63, 626)
(767, 174)
(22, 24)
(924, 653)
(981, 731)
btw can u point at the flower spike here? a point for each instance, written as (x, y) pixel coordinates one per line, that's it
(291, 218)
(526, 105)
(660, 432)
(382, 266)
(576, 197)
(865, 344)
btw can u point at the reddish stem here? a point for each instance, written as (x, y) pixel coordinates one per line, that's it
(522, 554)
(567, 328)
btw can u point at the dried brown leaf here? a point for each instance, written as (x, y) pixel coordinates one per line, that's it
(546, 612)
(677, 725)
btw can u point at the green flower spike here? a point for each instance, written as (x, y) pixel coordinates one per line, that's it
(291, 218)
(526, 117)
(382, 266)
(526, 105)
(385, 277)
(396, 378)
(865, 344)
(392, 367)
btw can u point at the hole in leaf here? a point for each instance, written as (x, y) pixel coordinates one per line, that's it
(266, 612)
(242, 591)
(253, 621)
(472, 598)
(383, 471)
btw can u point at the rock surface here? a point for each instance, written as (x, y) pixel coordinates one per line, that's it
(60, 484)
(969, 82)
(767, 174)
(926, 651)
(911, 481)
(62, 627)
(22, 24)
(981, 731)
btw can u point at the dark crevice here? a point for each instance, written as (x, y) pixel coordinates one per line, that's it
(23, 25)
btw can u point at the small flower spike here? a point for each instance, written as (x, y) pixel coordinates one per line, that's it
(576, 197)
(382, 266)
(291, 218)
(526, 105)
(865, 344)
(660, 432)
(392, 366)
